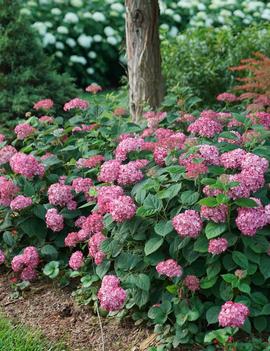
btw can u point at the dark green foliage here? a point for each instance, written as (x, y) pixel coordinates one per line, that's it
(196, 63)
(26, 74)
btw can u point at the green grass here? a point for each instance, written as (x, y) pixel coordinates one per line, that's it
(20, 338)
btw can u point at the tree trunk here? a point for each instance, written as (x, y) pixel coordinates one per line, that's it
(144, 58)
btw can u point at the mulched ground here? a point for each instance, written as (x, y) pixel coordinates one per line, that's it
(55, 313)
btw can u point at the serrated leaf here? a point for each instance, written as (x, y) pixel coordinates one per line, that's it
(153, 245)
(246, 202)
(212, 230)
(163, 228)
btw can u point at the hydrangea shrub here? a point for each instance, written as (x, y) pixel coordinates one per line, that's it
(167, 222)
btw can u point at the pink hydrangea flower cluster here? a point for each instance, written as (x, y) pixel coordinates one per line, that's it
(76, 103)
(26, 165)
(54, 220)
(2, 138)
(23, 130)
(210, 154)
(205, 127)
(111, 296)
(250, 220)
(217, 246)
(105, 195)
(93, 224)
(233, 314)
(26, 263)
(251, 176)
(130, 173)
(20, 202)
(126, 146)
(188, 223)
(194, 169)
(93, 88)
(109, 171)
(170, 268)
(160, 154)
(232, 159)
(6, 153)
(90, 162)
(2, 257)
(120, 111)
(122, 208)
(154, 118)
(216, 214)
(83, 185)
(84, 128)
(94, 248)
(46, 119)
(192, 283)
(76, 260)
(186, 118)
(113, 171)
(209, 191)
(45, 104)
(8, 191)
(210, 114)
(72, 239)
(79, 221)
(227, 97)
(61, 195)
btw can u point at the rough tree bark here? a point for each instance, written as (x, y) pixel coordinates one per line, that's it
(144, 58)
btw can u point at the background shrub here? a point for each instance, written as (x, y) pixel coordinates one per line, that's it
(196, 62)
(87, 37)
(26, 73)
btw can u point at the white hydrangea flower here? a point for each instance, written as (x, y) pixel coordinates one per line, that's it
(266, 14)
(40, 27)
(173, 32)
(25, 12)
(118, 7)
(225, 13)
(56, 11)
(90, 70)
(59, 54)
(71, 42)
(201, 7)
(109, 31)
(62, 30)
(59, 45)
(76, 3)
(85, 40)
(177, 18)
(112, 40)
(49, 39)
(164, 26)
(253, 5)
(239, 13)
(78, 59)
(169, 12)
(48, 24)
(98, 17)
(71, 17)
(97, 38)
(92, 54)
(87, 15)
(44, 2)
